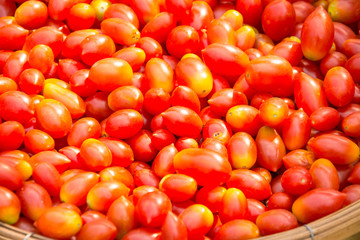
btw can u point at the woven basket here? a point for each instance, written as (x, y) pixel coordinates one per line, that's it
(343, 224)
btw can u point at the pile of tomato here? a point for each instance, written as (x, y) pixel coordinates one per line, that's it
(177, 119)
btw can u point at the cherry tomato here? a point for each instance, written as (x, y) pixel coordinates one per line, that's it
(244, 118)
(280, 200)
(113, 26)
(233, 205)
(120, 10)
(159, 74)
(97, 229)
(306, 207)
(135, 56)
(12, 135)
(324, 174)
(31, 14)
(173, 227)
(48, 177)
(181, 40)
(299, 157)
(297, 124)
(9, 205)
(12, 37)
(239, 229)
(10, 177)
(81, 16)
(296, 180)
(124, 123)
(251, 11)
(276, 220)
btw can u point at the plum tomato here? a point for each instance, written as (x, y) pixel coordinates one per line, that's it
(276, 220)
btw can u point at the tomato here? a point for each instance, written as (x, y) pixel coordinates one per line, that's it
(211, 197)
(280, 200)
(324, 174)
(271, 74)
(331, 60)
(97, 106)
(15, 64)
(12, 37)
(273, 111)
(302, 10)
(122, 214)
(145, 10)
(162, 138)
(163, 162)
(338, 149)
(225, 59)
(103, 194)
(12, 135)
(143, 233)
(220, 31)
(339, 94)
(113, 26)
(135, 56)
(48, 177)
(316, 45)
(61, 121)
(239, 229)
(49, 36)
(309, 94)
(200, 15)
(306, 207)
(276, 220)
(271, 148)
(98, 229)
(36, 141)
(352, 66)
(95, 155)
(154, 216)
(81, 16)
(181, 40)
(296, 180)
(278, 19)
(59, 10)
(299, 157)
(198, 163)
(96, 47)
(100, 7)
(10, 177)
(64, 222)
(9, 205)
(76, 188)
(352, 194)
(354, 174)
(7, 8)
(344, 11)
(242, 150)
(244, 118)
(142, 146)
(31, 14)
(297, 124)
(186, 97)
(251, 11)
(251, 183)
(7, 84)
(19, 165)
(34, 199)
(233, 205)
(120, 10)
(325, 119)
(159, 74)
(124, 123)
(173, 227)
(60, 161)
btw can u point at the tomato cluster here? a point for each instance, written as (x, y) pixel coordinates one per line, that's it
(177, 119)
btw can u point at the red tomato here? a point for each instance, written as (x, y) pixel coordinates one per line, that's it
(276, 220)
(290, 50)
(35, 200)
(144, 234)
(278, 19)
(352, 194)
(233, 205)
(199, 163)
(97, 106)
(251, 11)
(331, 60)
(344, 11)
(224, 99)
(239, 229)
(31, 14)
(61, 121)
(271, 148)
(101, 229)
(271, 74)
(251, 183)
(156, 214)
(186, 97)
(324, 174)
(124, 123)
(48, 177)
(7, 84)
(296, 180)
(122, 214)
(64, 222)
(302, 10)
(211, 197)
(9, 205)
(121, 31)
(316, 44)
(299, 157)
(163, 162)
(200, 15)
(135, 56)
(181, 40)
(338, 149)
(10, 177)
(120, 10)
(306, 207)
(110, 73)
(173, 227)
(280, 200)
(12, 37)
(242, 150)
(325, 119)
(12, 135)
(296, 130)
(142, 146)
(178, 187)
(244, 118)
(81, 16)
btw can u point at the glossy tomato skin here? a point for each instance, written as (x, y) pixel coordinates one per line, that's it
(309, 93)
(159, 27)
(233, 205)
(124, 123)
(251, 11)
(280, 200)
(10, 177)
(141, 144)
(339, 86)
(196, 18)
(242, 150)
(12, 36)
(344, 11)
(178, 187)
(316, 44)
(97, 229)
(48, 177)
(31, 14)
(331, 60)
(12, 135)
(350, 125)
(182, 121)
(122, 214)
(66, 220)
(60, 161)
(181, 40)
(244, 118)
(159, 74)
(271, 148)
(143, 233)
(324, 174)
(186, 97)
(346, 151)
(225, 59)
(352, 66)
(222, 100)
(199, 163)
(10, 206)
(325, 119)
(271, 74)
(211, 197)
(290, 50)
(61, 121)
(35, 200)
(278, 19)
(296, 180)
(297, 124)
(110, 73)
(352, 194)
(95, 155)
(251, 183)
(173, 227)
(306, 207)
(113, 26)
(284, 220)
(154, 216)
